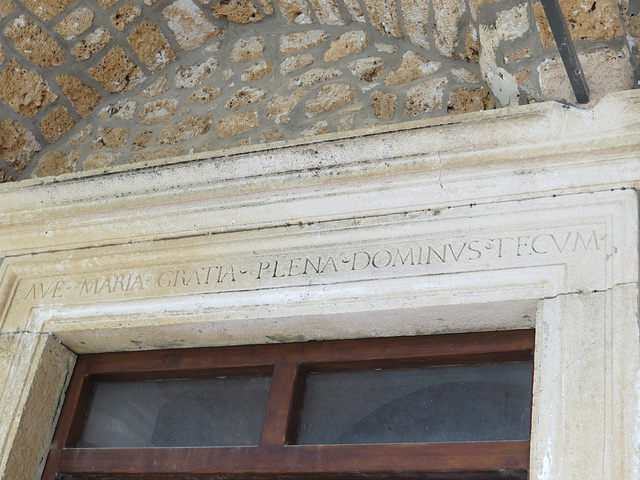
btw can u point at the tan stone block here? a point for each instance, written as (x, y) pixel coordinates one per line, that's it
(76, 23)
(81, 135)
(447, 15)
(633, 27)
(189, 25)
(204, 95)
(123, 17)
(522, 76)
(4, 177)
(367, 69)
(34, 43)
(168, 152)
(383, 15)
(296, 12)
(83, 97)
(57, 163)
(100, 160)
(355, 11)
(151, 46)
(56, 124)
(296, 62)
(193, 76)
(237, 123)
(17, 145)
(158, 87)
(237, 11)
(142, 140)
(270, 135)
(107, 3)
(117, 72)
(345, 124)
(415, 14)
(257, 71)
(122, 110)
(1, 54)
(476, 4)
(313, 77)
(26, 92)
(346, 44)
(331, 97)
(463, 75)
(425, 97)
(47, 10)
(245, 96)
(467, 101)
(186, 129)
(471, 45)
(111, 137)
(6, 7)
(267, 6)
(244, 143)
(247, 48)
(384, 104)
(161, 110)
(319, 128)
(413, 66)
(280, 107)
(297, 41)
(517, 55)
(386, 48)
(327, 11)
(93, 43)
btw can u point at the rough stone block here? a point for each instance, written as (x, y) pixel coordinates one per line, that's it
(4, 177)
(247, 48)
(2, 55)
(193, 76)
(383, 15)
(346, 44)
(319, 128)
(186, 129)
(34, 43)
(57, 163)
(156, 111)
(355, 11)
(257, 71)
(313, 77)
(522, 76)
(345, 124)
(81, 135)
(142, 140)
(245, 96)
(76, 23)
(413, 66)
(297, 41)
(237, 123)
(280, 107)
(204, 95)
(83, 97)
(415, 14)
(327, 11)
(107, 3)
(158, 87)
(94, 42)
(367, 69)
(237, 11)
(518, 55)
(384, 104)
(111, 137)
(466, 101)
(117, 72)
(386, 48)
(168, 152)
(123, 17)
(151, 46)
(6, 7)
(47, 10)
(447, 15)
(331, 97)
(471, 45)
(425, 97)
(269, 135)
(296, 12)
(463, 75)
(189, 25)
(100, 160)
(122, 110)
(26, 92)
(296, 62)
(17, 145)
(56, 124)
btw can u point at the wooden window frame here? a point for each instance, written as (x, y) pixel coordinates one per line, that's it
(276, 457)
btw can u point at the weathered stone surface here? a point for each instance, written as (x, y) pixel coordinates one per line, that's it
(142, 140)
(296, 62)
(346, 123)
(122, 110)
(94, 42)
(355, 11)
(425, 97)
(296, 12)
(327, 11)
(1, 54)
(193, 76)
(238, 11)
(123, 17)
(57, 163)
(151, 46)
(161, 110)
(280, 107)
(26, 92)
(313, 77)
(384, 104)
(386, 48)
(117, 72)
(367, 69)
(318, 128)
(257, 71)
(413, 66)
(168, 152)
(247, 48)
(17, 145)
(269, 135)
(83, 97)
(6, 7)
(189, 25)
(76, 23)
(267, 6)
(416, 20)
(106, 3)
(186, 129)
(522, 76)
(297, 41)
(331, 97)
(245, 96)
(47, 10)
(56, 124)
(81, 135)
(348, 43)
(237, 123)
(447, 15)
(471, 45)
(158, 87)
(467, 101)
(587, 20)
(384, 16)
(111, 137)
(204, 95)
(34, 43)
(4, 177)
(518, 55)
(100, 160)
(464, 76)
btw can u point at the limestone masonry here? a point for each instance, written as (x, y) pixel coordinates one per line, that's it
(94, 83)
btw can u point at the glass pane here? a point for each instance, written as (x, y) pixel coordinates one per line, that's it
(177, 413)
(436, 404)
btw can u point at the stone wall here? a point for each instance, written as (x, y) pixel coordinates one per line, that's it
(95, 83)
